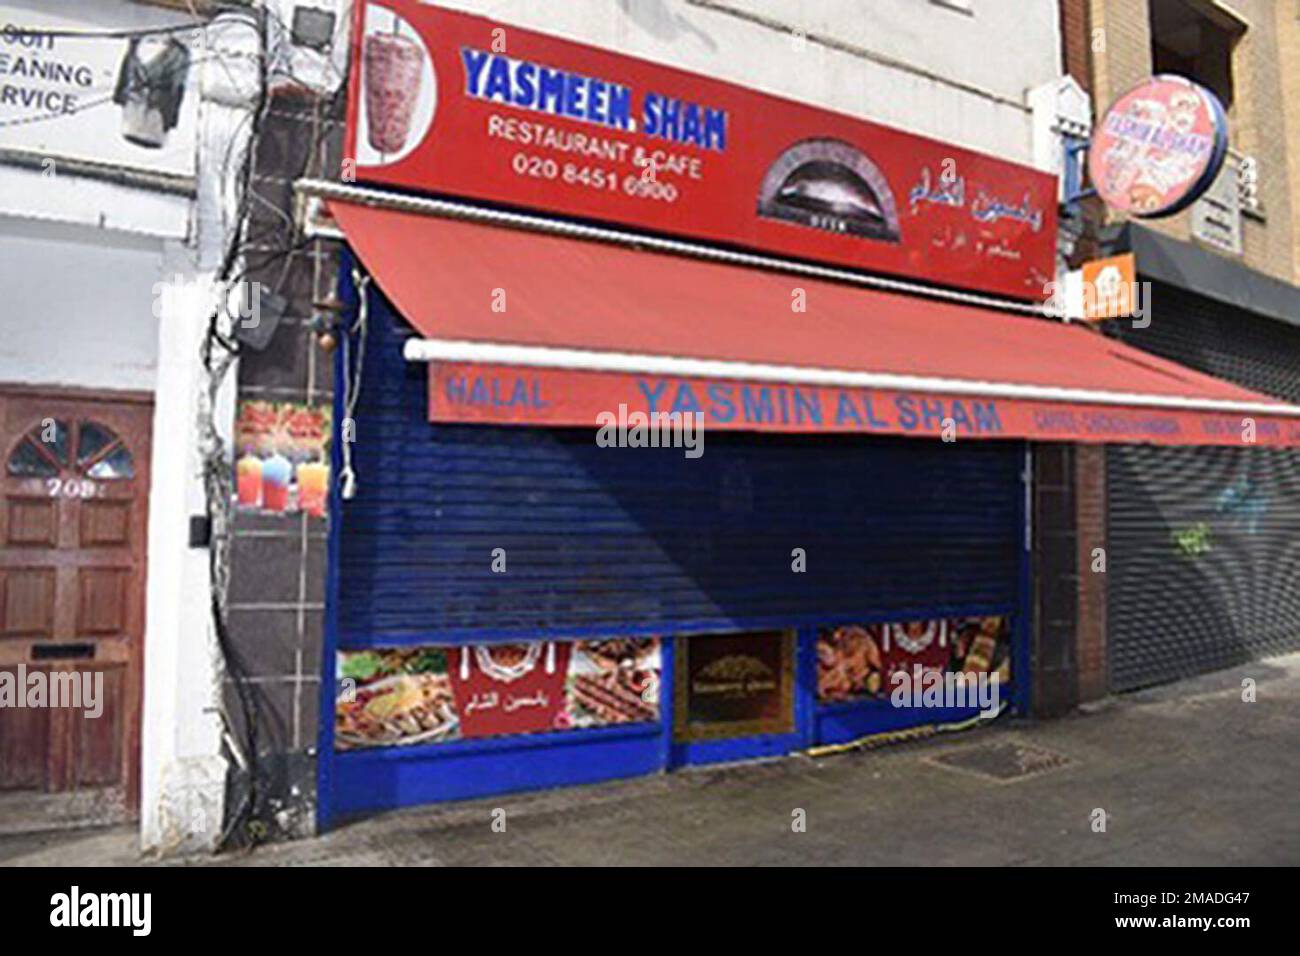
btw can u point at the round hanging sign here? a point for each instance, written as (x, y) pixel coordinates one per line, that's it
(1158, 147)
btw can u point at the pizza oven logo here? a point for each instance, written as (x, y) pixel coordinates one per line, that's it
(830, 185)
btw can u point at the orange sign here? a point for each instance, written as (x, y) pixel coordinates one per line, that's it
(1110, 287)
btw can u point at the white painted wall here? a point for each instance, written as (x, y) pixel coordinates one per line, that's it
(65, 197)
(77, 307)
(82, 264)
(912, 64)
(184, 770)
(1005, 47)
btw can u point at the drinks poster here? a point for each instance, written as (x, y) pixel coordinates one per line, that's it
(283, 458)
(432, 694)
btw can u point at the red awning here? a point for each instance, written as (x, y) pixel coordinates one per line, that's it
(527, 328)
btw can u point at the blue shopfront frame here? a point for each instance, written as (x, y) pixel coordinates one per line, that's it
(383, 778)
(358, 782)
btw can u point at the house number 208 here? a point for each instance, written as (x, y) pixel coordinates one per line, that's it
(71, 488)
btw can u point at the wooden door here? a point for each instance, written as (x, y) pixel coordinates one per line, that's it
(74, 483)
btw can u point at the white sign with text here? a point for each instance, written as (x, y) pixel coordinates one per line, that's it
(123, 100)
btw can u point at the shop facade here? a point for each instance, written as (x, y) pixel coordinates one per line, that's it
(1199, 573)
(654, 602)
(512, 603)
(96, 208)
(438, 582)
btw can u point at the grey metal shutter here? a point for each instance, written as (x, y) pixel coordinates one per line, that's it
(1204, 559)
(1204, 543)
(1211, 337)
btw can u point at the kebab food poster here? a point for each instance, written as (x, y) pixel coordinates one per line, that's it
(421, 695)
(858, 662)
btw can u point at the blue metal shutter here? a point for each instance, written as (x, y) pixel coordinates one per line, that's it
(619, 541)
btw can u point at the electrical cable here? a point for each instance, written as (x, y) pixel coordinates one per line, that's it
(352, 379)
(872, 741)
(219, 351)
(217, 469)
(238, 265)
(14, 31)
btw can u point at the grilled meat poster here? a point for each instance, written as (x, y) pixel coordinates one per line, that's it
(856, 662)
(408, 696)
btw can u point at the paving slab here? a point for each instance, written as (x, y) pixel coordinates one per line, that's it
(1187, 774)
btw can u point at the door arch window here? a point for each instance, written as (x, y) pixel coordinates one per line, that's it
(81, 448)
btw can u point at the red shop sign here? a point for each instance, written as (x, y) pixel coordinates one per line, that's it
(496, 394)
(1158, 147)
(510, 688)
(454, 104)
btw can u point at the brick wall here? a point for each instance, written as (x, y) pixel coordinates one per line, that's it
(1069, 644)
(1076, 40)
(1287, 21)
(1076, 60)
(1056, 581)
(1090, 525)
(1258, 129)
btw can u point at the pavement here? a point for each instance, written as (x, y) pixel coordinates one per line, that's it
(1187, 774)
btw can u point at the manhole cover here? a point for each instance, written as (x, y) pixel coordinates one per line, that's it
(1005, 760)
